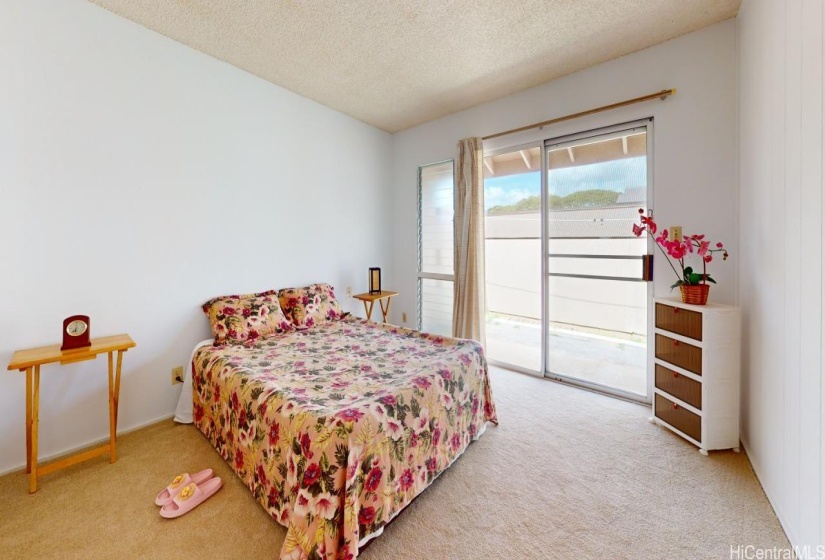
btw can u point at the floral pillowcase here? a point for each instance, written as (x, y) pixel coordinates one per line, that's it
(245, 318)
(307, 307)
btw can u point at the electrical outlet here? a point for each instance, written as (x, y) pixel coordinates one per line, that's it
(675, 233)
(404, 317)
(349, 291)
(177, 375)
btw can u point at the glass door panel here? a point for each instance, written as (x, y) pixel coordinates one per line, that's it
(513, 210)
(596, 312)
(595, 332)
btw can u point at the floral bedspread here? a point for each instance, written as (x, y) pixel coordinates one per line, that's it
(337, 428)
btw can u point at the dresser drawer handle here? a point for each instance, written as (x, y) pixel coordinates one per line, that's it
(675, 310)
(675, 406)
(676, 343)
(675, 375)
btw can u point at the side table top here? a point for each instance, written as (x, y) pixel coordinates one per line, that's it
(30, 357)
(372, 297)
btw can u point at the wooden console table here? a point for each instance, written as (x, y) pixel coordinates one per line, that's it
(30, 361)
(369, 301)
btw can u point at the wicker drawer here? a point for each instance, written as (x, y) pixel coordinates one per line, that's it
(681, 387)
(682, 354)
(679, 417)
(680, 321)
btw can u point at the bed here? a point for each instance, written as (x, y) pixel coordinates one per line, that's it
(335, 429)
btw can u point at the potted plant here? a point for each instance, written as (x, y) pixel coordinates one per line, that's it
(693, 285)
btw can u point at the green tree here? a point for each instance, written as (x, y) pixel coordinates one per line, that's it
(593, 198)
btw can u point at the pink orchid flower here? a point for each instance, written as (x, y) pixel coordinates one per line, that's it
(679, 250)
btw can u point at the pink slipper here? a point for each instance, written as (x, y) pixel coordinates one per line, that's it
(190, 497)
(179, 482)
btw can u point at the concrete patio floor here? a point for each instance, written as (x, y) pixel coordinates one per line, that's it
(615, 360)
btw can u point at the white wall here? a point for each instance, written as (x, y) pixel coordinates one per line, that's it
(694, 143)
(781, 293)
(139, 178)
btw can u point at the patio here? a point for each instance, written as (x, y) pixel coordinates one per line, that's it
(609, 358)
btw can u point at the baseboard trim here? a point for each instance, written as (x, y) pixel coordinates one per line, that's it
(774, 504)
(75, 449)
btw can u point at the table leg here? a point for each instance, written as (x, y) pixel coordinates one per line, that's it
(116, 399)
(35, 421)
(384, 310)
(368, 310)
(28, 420)
(111, 408)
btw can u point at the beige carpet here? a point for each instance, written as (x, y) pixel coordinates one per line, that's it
(568, 474)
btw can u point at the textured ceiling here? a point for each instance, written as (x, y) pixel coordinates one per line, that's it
(395, 64)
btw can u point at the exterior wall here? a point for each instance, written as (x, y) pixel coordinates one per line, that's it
(514, 277)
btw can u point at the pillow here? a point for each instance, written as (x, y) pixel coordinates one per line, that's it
(244, 318)
(307, 307)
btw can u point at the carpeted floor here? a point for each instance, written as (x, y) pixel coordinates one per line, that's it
(568, 474)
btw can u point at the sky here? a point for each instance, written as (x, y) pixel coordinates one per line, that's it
(613, 175)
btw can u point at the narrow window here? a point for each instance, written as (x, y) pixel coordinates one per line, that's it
(435, 248)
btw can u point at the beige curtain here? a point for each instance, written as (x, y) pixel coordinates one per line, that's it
(469, 298)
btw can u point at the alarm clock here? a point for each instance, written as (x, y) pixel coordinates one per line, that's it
(76, 332)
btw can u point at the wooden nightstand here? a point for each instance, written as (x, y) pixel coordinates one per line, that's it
(369, 300)
(30, 361)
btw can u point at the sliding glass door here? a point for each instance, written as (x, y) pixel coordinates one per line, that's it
(565, 293)
(512, 203)
(597, 300)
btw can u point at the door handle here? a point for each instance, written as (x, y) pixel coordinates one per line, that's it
(647, 268)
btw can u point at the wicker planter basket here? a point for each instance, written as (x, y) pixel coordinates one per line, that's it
(696, 295)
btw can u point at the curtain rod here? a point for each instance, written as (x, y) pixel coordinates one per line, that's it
(661, 95)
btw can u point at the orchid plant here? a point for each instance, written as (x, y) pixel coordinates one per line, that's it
(679, 249)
